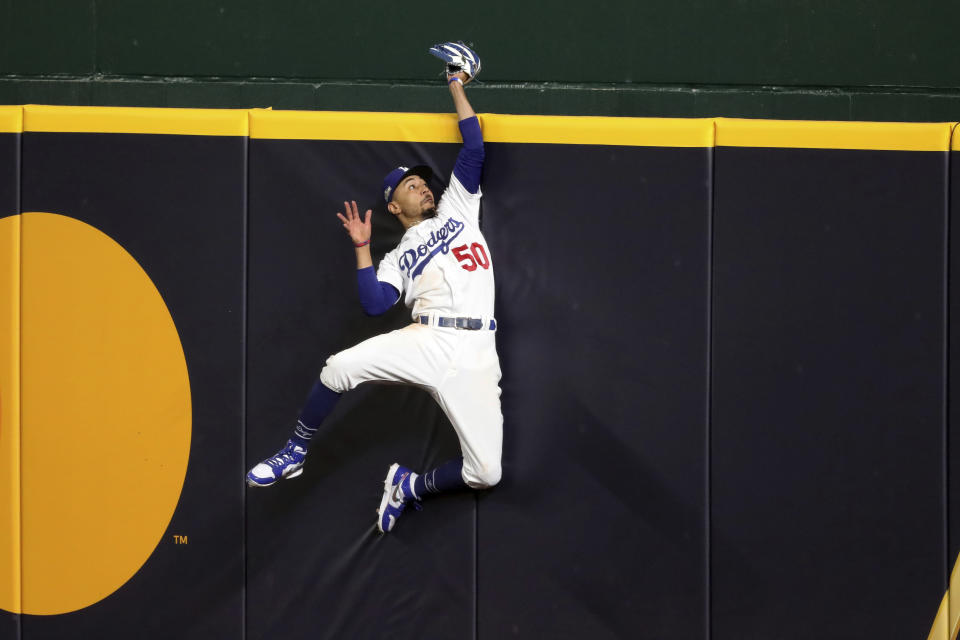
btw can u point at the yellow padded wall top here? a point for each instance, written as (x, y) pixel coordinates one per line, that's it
(198, 122)
(805, 134)
(956, 138)
(353, 125)
(442, 127)
(11, 119)
(430, 127)
(628, 132)
(10, 413)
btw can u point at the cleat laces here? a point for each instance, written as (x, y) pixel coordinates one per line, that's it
(282, 458)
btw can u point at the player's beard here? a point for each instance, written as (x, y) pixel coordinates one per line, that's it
(429, 213)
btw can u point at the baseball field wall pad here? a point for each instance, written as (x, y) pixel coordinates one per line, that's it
(726, 356)
(949, 614)
(159, 216)
(828, 344)
(10, 128)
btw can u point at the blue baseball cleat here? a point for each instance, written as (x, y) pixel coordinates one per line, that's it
(399, 480)
(287, 463)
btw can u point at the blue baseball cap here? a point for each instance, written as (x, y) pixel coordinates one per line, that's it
(397, 175)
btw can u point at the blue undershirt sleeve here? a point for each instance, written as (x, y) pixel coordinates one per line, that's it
(470, 159)
(375, 296)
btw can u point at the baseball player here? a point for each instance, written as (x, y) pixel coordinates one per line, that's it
(443, 270)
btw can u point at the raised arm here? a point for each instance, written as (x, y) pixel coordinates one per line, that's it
(456, 82)
(375, 296)
(469, 164)
(462, 66)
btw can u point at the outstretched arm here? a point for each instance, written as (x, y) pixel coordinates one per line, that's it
(464, 110)
(375, 296)
(469, 164)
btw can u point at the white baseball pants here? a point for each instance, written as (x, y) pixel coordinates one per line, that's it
(459, 368)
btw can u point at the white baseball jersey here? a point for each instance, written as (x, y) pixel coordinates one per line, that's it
(443, 264)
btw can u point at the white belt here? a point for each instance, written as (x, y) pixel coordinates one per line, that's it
(469, 324)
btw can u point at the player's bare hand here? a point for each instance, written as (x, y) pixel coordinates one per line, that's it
(357, 228)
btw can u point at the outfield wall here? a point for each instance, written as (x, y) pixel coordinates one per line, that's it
(726, 358)
(797, 59)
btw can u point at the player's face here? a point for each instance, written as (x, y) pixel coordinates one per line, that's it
(414, 198)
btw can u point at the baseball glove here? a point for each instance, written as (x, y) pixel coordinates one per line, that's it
(459, 57)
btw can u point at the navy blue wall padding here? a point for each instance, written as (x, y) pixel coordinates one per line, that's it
(602, 268)
(605, 427)
(828, 393)
(953, 363)
(177, 205)
(9, 173)
(725, 392)
(316, 567)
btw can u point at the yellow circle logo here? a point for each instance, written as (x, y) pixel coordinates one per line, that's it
(104, 415)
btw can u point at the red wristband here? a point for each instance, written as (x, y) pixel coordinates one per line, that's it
(362, 244)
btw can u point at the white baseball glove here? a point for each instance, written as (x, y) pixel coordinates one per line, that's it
(459, 57)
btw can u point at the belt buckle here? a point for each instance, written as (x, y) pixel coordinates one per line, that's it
(470, 324)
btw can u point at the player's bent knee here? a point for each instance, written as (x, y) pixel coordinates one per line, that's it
(334, 374)
(483, 477)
